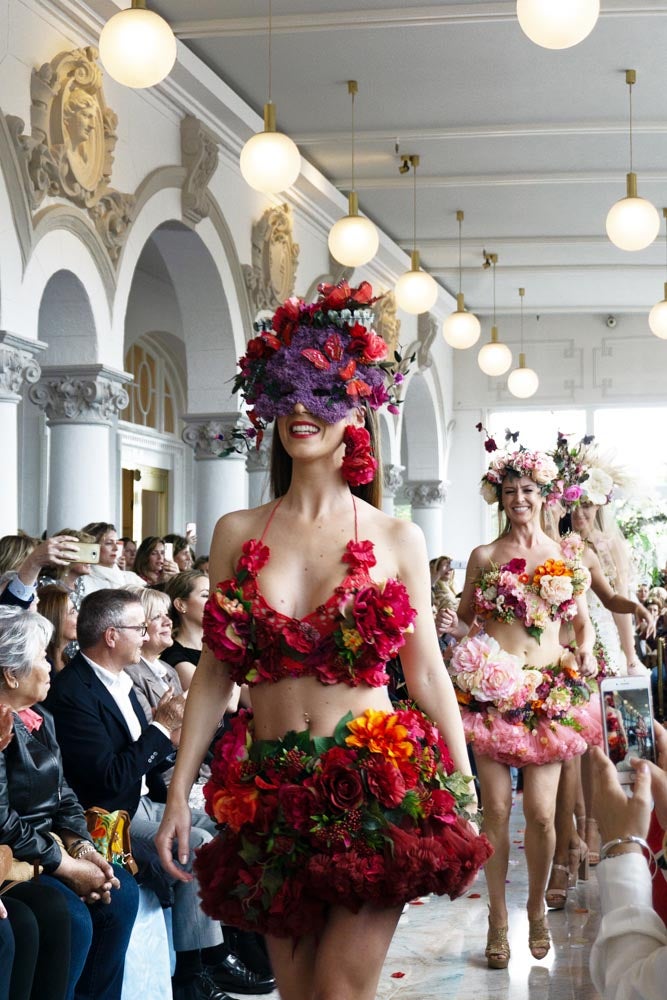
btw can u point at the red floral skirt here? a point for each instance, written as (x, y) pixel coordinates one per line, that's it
(372, 815)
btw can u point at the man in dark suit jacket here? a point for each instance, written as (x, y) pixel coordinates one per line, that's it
(112, 756)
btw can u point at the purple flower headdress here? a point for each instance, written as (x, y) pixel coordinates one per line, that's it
(324, 355)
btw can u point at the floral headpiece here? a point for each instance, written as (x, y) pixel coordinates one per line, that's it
(323, 354)
(580, 468)
(536, 465)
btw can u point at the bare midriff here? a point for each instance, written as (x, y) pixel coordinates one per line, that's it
(513, 638)
(305, 703)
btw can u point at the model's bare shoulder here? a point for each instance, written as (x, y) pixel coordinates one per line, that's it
(231, 531)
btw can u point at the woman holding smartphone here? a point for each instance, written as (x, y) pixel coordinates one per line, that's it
(524, 699)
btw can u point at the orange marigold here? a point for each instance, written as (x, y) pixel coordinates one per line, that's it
(381, 733)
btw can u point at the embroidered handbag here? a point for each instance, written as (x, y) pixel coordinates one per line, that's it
(111, 836)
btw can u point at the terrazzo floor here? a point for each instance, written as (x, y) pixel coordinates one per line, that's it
(438, 949)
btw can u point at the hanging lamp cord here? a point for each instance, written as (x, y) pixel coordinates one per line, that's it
(460, 266)
(521, 323)
(414, 206)
(352, 170)
(630, 101)
(270, 32)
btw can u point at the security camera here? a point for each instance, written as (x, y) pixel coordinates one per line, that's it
(611, 322)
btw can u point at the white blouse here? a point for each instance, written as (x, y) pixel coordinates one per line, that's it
(629, 957)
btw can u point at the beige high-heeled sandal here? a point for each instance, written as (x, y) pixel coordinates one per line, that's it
(593, 841)
(555, 897)
(579, 863)
(497, 947)
(539, 940)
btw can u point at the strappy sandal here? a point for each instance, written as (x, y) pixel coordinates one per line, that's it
(497, 947)
(593, 842)
(579, 863)
(556, 897)
(539, 940)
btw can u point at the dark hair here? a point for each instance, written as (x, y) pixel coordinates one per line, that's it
(98, 529)
(178, 541)
(101, 610)
(200, 561)
(54, 605)
(143, 552)
(281, 464)
(180, 587)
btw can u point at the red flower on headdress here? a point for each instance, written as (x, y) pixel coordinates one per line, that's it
(286, 319)
(369, 346)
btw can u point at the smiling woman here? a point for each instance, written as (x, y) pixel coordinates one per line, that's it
(524, 699)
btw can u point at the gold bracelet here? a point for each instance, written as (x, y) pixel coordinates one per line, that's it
(80, 849)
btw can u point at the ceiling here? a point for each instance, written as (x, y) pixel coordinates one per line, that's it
(532, 144)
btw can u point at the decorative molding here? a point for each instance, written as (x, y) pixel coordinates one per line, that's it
(199, 155)
(271, 277)
(259, 459)
(621, 362)
(387, 324)
(562, 373)
(69, 153)
(427, 328)
(88, 394)
(426, 493)
(427, 16)
(392, 478)
(210, 435)
(17, 364)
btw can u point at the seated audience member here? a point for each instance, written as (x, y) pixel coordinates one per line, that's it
(59, 608)
(126, 560)
(71, 577)
(152, 676)
(150, 562)
(107, 573)
(41, 821)
(21, 560)
(183, 554)
(629, 956)
(201, 563)
(188, 593)
(112, 758)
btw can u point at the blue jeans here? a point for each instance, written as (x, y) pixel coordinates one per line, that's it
(100, 935)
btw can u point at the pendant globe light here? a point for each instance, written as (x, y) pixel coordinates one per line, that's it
(270, 160)
(137, 47)
(415, 291)
(495, 357)
(632, 223)
(657, 318)
(353, 240)
(461, 329)
(523, 382)
(557, 24)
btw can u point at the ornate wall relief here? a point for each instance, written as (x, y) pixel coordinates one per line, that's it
(69, 153)
(271, 276)
(386, 322)
(199, 154)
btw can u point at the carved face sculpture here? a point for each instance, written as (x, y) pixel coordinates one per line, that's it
(80, 118)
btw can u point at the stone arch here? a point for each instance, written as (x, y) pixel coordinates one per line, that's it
(66, 322)
(15, 232)
(158, 207)
(421, 430)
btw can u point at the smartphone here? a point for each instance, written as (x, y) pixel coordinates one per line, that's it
(627, 722)
(191, 530)
(169, 551)
(88, 552)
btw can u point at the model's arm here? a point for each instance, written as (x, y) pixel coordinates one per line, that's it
(425, 673)
(585, 635)
(621, 607)
(208, 695)
(466, 609)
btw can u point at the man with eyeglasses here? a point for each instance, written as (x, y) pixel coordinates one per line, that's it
(113, 757)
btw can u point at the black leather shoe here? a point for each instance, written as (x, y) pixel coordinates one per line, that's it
(199, 987)
(250, 948)
(232, 974)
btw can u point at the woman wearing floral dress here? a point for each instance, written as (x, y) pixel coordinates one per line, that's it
(337, 807)
(524, 699)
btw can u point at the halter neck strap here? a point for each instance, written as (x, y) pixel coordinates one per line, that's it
(271, 516)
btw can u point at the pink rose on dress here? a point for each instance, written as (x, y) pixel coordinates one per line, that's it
(501, 678)
(556, 589)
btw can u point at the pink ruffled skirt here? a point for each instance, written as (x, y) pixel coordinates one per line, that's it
(550, 740)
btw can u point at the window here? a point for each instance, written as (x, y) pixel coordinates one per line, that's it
(537, 428)
(152, 402)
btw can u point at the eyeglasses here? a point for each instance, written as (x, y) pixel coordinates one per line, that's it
(141, 629)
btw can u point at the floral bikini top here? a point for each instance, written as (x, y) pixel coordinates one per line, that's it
(508, 594)
(347, 640)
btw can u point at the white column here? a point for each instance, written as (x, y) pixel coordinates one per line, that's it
(221, 481)
(392, 483)
(17, 365)
(81, 405)
(427, 498)
(258, 464)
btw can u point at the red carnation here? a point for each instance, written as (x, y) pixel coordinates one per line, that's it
(359, 465)
(255, 555)
(298, 804)
(385, 782)
(360, 553)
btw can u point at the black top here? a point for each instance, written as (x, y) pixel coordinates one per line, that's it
(177, 654)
